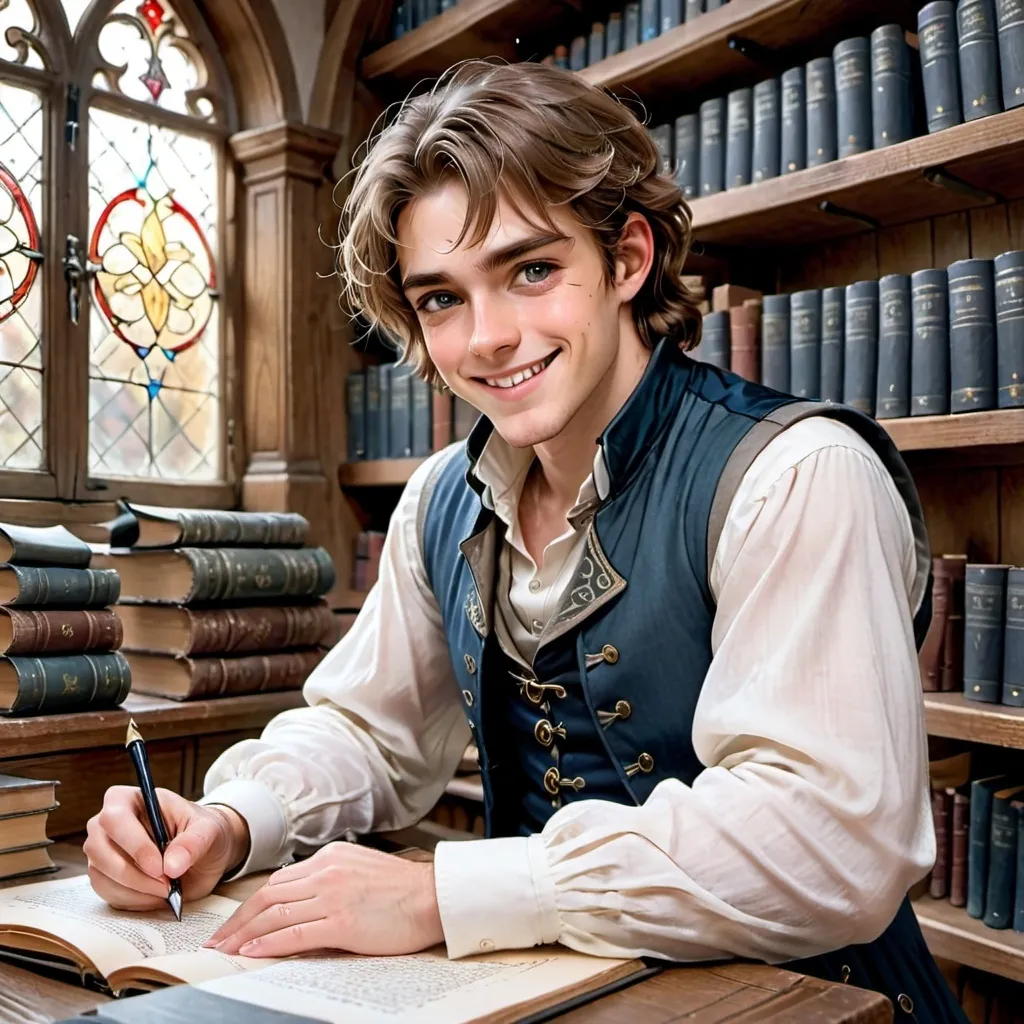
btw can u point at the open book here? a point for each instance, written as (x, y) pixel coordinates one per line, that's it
(65, 924)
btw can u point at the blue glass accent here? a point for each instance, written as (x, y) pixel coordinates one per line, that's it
(143, 352)
(153, 387)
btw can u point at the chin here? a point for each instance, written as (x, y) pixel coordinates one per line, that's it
(529, 429)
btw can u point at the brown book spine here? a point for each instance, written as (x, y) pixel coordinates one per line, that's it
(744, 328)
(441, 422)
(941, 813)
(243, 630)
(728, 296)
(36, 632)
(960, 845)
(953, 657)
(931, 657)
(255, 673)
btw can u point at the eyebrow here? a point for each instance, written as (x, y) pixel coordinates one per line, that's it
(492, 261)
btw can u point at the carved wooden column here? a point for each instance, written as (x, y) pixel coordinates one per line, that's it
(292, 439)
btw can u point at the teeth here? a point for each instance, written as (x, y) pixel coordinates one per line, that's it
(518, 378)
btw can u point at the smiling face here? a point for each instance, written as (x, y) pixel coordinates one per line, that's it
(526, 326)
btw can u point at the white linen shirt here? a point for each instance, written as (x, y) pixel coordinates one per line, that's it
(811, 818)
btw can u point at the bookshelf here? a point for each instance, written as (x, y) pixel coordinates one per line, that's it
(952, 935)
(377, 472)
(954, 716)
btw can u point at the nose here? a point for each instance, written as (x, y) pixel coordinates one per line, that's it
(495, 328)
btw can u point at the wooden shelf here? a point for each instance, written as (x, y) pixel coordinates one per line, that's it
(887, 186)
(473, 28)
(158, 719)
(953, 715)
(350, 600)
(952, 935)
(697, 54)
(966, 430)
(378, 472)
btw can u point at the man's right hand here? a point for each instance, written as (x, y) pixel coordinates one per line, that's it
(125, 865)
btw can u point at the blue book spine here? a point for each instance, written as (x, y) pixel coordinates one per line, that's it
(833, 332)
(671, 14)
(1009, 278)
(893, 395)
(767, 130)
(384, 413)
(860, 366)
(775, 357)
(373, 417)
(687, 154)
(649, 21)
(694, 9)
(595, 45)
(940, 64)
(1002, 861)
(978, 837)
(1018, 899)
(822, 124)
(356, 396)
(613, 35)
(400, 419)
(794, 122)
(805, 343)
(712, 146)
(929, 356)
(980, 86)
(422, 417)
(972, 336)
(631, 25)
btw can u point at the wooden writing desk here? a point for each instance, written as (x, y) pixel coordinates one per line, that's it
(737, 993)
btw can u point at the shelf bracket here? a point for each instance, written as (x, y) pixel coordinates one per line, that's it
(755, 52)
(941, 178)
(827, 206)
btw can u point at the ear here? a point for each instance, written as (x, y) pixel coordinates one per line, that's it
(634, 257)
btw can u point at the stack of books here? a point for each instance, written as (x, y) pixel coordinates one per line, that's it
(941, 657)
(24, 807)
(58, 637)
(219, 603)
(951, 794)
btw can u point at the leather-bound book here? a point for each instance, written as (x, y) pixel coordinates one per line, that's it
(942, 813)
(374, 439)
(929, 355)
(649, 22)
(860, 364)
(972, 336)
(356, 420)
(744, 326)
(985, 612)
(712, 146)
(694, 9)
(892, 101)
(833, 331)
(958, 847)
(1010, 25)
(979, 836)
(687, 153)
(595, 43)
(662, 136)
(63, 683)
(400, 413)
(852, 59)
(36, 631)
(1002, 858)
(767, 130)
(793, 153)
(775, 352)
(953, 658)
(1009, 284)
(28, 586)
(892, 399)
(441, 412)
(822, 142)
(613, 34)
(578, 53)
(715, 340)
(1018, 899)
(940, 64)
(977, 43)
(422, 402)
(631, 25)
(805, 343)
(671, 14)
(42, 545)
(933, 648)
(161, 527)
(739, 138)
(562, 57)
(725, 296)
(1013, 640)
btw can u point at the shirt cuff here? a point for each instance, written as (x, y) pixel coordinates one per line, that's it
(495, 894)
(268, 830)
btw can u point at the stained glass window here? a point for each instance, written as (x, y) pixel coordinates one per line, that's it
(19, 31)
(73, 11)
(21, 304)
(154, 383)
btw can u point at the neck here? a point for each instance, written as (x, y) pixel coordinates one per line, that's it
(566, 460)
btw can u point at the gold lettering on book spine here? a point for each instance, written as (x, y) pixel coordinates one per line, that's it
(70, 684)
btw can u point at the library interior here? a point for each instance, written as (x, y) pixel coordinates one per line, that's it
(202, 431)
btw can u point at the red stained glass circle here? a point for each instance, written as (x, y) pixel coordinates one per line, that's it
(153, 13)
(19, 245)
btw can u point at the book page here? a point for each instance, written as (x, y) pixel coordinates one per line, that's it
(425, 988)
(71, 911)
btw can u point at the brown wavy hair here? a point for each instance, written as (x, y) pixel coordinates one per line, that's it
(541, 137)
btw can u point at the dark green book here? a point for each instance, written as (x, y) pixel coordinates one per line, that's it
(767, 130)
(355, 394)
(1013, 640)
(42, 545)
(793, 155)
(981, 90)
(24, 586)
(929, 345)
(892, 399)
(972, 336)
(978, 838)
(852, 60)
(1018, 900)
(984, 615)
(1009, 283)
(822, 141)
(58, 684)
(1002, 859)
(940, 64)
(860, 362)
(833, 330)
(892, 102)
(1010, 26)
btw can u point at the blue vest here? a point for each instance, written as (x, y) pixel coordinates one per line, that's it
(606, 709)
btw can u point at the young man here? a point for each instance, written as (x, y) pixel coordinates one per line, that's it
(673, 608)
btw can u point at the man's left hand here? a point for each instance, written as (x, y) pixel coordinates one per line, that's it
(343, 897)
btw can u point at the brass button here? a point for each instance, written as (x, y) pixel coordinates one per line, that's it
(544, 732)
(470, 663)
(610, 654)
(906, 1003)
(534, 585)
(623, 709)
(844, 973)
(646, 763)
(467, 696)
(551, 781)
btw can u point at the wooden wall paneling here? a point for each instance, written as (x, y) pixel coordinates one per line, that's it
(1011, 515)
(801, 268)
(951, 239)
(1015, 216)
(849, 259)
(905, 248)
(85, 775)
(961, 511)
(208, 749)
(990, 231)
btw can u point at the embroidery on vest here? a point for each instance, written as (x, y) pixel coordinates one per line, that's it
(475, 613)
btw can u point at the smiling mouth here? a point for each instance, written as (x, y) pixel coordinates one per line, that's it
(521, 375)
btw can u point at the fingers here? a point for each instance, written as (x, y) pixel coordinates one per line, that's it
(112, 862)
(295, 904)
(296, 938)
(119, 896)
(121, 819)
(197, 836)
(262, 901)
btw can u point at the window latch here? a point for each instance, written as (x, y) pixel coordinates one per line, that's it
(71, 116)
(74, 271)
